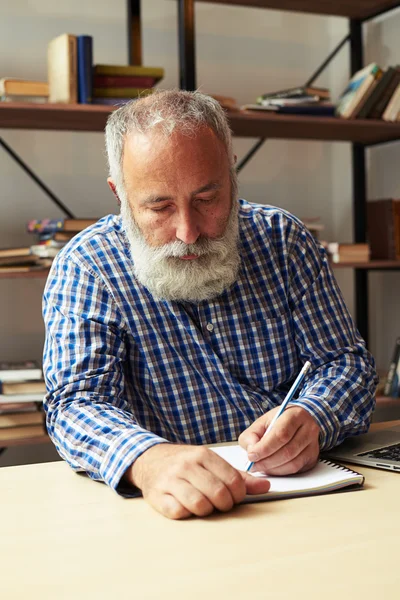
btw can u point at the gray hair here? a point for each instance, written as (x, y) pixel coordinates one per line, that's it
(168, 111)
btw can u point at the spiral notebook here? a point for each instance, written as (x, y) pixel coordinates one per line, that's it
(325, 477)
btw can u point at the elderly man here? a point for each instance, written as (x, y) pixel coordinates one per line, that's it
(184, 321)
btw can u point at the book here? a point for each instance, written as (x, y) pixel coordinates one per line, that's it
(391, 111)
(373, 98)
(383, 227)
(9, 261)
(129, 70)
(358, 86)
(316, 110)
(21, 398)
(22, 251)
(22, 387)
(112, 101)
(18, 407)
(20, 371)
(21, 433)
(20, 419)
(348, 253)
(23, 87)
(309, 90)
(123, 92)
(387, 391)
(51, 226)
(121, 81)
(84, 47)
(381, 104)
(62, 69)
(325, 477)
(291, 101)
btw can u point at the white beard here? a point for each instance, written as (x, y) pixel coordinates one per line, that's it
(168, 277)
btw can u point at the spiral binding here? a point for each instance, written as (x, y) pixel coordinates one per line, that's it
(340, 467)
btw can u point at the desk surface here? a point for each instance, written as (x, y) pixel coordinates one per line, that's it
(64, 536)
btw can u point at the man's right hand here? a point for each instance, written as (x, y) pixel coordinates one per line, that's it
(181, 481)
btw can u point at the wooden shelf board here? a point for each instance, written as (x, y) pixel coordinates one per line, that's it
(62, 117)
(372, 264)
(354, 9)
(10, 274)
(363, 131)
(87, 117)
(22, 439)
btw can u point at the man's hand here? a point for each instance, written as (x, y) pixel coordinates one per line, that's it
(292, 445)
(180, 481)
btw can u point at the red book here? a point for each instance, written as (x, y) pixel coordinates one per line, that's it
(104, 81)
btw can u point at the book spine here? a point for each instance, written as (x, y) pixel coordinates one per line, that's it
(380, 106)
(377, 94)
(107, 81)
(121, 92)
(129, 70)
(73, 75)
(85, 78)
(392, 369)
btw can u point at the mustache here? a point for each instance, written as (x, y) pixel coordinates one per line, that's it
(200, 247)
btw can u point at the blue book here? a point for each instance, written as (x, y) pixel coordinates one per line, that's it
(85, 68)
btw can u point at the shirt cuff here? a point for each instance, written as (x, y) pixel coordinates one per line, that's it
(325, 417)
(122, 453)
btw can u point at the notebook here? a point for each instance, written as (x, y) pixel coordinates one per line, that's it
(325, 477)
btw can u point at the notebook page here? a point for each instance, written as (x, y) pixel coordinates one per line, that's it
(324, 477)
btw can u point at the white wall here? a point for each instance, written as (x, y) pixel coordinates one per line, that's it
(241, 52)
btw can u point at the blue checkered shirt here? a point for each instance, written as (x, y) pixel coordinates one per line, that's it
(124, 371)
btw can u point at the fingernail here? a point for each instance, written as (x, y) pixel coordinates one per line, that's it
(251, 454)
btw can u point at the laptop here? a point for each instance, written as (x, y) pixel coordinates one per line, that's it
(380, 449)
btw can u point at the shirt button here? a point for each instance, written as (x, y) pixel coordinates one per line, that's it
(210, 326)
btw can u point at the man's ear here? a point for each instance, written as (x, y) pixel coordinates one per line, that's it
(112, 187)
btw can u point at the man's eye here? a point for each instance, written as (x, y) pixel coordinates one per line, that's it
(160, 209)
(206, 200)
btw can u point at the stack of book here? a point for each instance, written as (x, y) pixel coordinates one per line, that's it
(383, 224)
(73, 78)
(23, 90)
(348, 253)
(52, 235)
(372, 93)
(116, 84)
(21, 395)
(306, 100)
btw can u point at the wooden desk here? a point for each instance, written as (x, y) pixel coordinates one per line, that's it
(64, 537)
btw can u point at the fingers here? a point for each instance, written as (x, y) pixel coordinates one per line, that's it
(255, 485)
(169, 506)
(286, 453)
(253, 434)
(224, 480)
(278, 437)
(304, 461)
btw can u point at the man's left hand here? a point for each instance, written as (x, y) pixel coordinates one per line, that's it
(292, 445)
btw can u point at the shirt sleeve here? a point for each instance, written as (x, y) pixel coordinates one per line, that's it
(87, 416)
(339, 391)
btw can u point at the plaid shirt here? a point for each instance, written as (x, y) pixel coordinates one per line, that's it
(125, 371)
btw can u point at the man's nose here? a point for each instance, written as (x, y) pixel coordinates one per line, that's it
(187, 227)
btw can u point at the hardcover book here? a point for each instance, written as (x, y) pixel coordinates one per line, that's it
(62, 69)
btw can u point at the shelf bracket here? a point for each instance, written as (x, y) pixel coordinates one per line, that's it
(328, 59)
(249, 155)
(36, 179)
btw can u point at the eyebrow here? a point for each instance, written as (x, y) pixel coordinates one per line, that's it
(154, 199)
